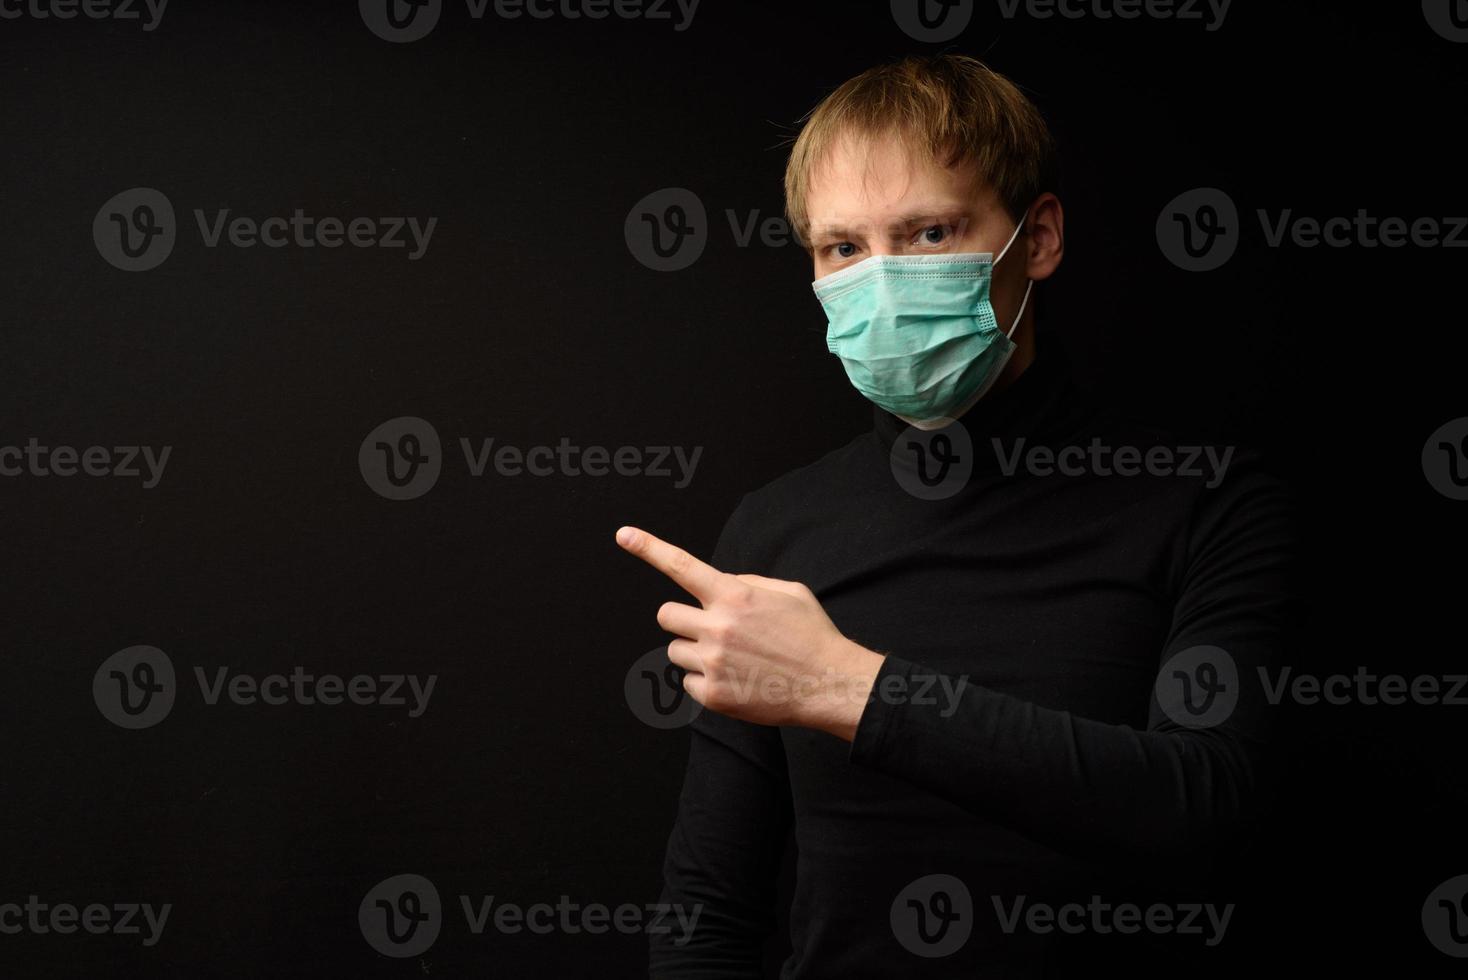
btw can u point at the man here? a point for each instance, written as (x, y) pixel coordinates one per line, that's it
(952, 687)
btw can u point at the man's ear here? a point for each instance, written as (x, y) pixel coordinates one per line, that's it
(1045, 243)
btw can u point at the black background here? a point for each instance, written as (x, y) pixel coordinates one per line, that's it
(529, 319)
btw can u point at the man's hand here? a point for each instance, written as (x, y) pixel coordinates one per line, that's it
(760, 649)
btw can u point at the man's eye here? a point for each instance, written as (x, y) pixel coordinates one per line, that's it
(934, 235)
(846, 250)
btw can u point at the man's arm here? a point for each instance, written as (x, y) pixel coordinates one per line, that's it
(1090, 787)
(1073, 783)
(725, 850)
(724, 853)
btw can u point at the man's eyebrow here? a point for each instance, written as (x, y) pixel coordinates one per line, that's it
(939, 213)
(830, 231)
(949, 212)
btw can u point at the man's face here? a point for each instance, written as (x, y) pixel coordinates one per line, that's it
(873, 197)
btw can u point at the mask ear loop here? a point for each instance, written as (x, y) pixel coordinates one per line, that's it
(1017, 229)
(1029, 283)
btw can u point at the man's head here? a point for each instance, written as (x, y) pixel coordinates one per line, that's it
(930, 155)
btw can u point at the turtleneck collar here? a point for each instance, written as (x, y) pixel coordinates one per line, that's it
(1030, 407)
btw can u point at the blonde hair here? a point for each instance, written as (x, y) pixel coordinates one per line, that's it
(952, 107)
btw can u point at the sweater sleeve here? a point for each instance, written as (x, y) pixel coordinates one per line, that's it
(1189, 781)
(724, 854)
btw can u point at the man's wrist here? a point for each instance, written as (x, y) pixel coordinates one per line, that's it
(851, 675)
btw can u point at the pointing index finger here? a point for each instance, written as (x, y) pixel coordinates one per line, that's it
(700, 579)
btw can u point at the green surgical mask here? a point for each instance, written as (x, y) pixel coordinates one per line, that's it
(917, 333)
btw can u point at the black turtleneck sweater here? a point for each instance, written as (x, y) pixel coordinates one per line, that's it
(1055, 774)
